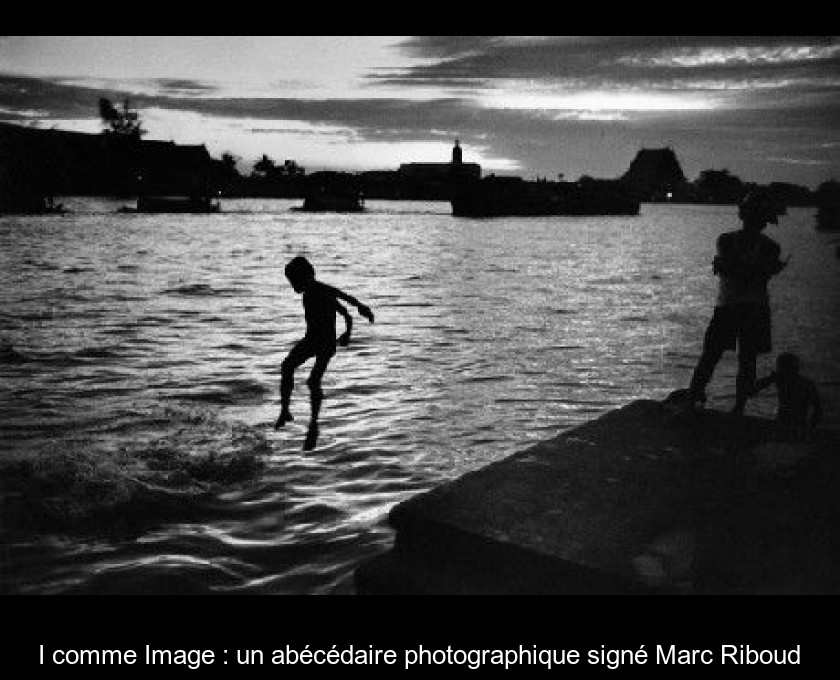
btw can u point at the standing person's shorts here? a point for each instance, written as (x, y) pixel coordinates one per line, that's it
(745, 324)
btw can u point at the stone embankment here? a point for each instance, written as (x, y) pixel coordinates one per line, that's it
(646, 499)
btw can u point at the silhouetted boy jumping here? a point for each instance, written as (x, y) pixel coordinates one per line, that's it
(799, 402)
(746, 260)
(320, 304)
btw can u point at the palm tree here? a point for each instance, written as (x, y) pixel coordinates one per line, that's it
(124, 122)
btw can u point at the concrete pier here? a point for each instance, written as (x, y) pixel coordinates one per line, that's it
(646, 499)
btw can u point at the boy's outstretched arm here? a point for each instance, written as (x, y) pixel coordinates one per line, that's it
(344, 338)
(364, 310)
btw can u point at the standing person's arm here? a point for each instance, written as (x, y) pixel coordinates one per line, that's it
(774, 264)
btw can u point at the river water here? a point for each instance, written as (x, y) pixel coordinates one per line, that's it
(137, 453)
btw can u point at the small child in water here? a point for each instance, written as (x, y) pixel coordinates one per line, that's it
(320, 304)
(799, 402)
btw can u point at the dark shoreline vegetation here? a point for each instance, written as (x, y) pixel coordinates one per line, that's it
(37, 165)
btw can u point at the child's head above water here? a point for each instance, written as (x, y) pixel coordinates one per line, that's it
(299, 271)
(787, 365)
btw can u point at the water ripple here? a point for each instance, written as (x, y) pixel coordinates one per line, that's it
(139, 365)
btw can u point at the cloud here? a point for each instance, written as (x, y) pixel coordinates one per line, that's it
(614, 61)
(574, 105)
(21, 114)
(797, 161)
(179, 86)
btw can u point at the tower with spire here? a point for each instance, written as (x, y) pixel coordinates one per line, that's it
(457, 157)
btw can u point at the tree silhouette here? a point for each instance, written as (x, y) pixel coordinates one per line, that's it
(265, 166)
(720, 186)
(829, 190)
(123, 122)
(229, 162)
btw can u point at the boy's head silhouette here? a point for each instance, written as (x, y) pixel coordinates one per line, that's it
(787, 366)
(300, 272)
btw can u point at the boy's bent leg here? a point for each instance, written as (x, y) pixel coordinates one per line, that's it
(311, 440)
(316, 393)
(316, 397)
(298, 354)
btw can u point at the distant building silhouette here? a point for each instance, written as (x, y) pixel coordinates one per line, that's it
(57, 162)
(457, 154)
(655, 175)
(381, 184)
(169, 168)
(33, 160)
(36, 164)
(828, 207)
(500, 196)
(436, 180)
(329, 191)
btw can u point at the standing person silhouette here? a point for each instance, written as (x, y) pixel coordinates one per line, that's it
(746, 260)
(320, 304)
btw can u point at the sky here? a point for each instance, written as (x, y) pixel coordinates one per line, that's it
(766, 108)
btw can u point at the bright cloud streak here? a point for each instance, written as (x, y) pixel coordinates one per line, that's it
(603, 101)
(736, 56)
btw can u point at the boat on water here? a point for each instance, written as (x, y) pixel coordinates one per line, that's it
(828, 206)
(332, 192)
(326, 203)
(513, 196)
(175, 204)
(30, 204)
(828, 218)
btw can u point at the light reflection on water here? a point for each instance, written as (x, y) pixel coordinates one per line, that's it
(136, 439)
